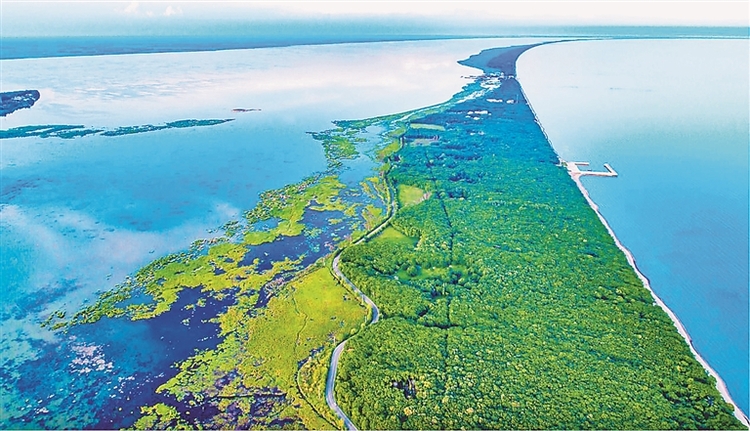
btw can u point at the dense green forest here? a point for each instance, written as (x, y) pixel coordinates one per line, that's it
(505, 303)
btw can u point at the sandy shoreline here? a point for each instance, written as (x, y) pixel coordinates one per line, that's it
(720, 385)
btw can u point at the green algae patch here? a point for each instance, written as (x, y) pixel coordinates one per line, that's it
(260, 358)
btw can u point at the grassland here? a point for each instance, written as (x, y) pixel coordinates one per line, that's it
(410, 195)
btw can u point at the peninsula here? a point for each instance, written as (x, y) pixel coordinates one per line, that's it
(472, 282)
(505, 302)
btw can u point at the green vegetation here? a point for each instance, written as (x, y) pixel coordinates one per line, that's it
(505, 303)
(427, 126)
(275, 335)
(258, 360)
(410, 195)
(215, 266)
(340, 143)
(389, 150)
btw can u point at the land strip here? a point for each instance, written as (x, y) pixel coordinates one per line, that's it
(505, 302)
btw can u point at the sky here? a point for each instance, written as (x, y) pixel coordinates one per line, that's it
(81, 18)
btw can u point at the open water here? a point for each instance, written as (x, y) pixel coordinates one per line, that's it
(671, 117)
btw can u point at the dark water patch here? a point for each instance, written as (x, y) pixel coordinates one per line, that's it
(308, 248)
(194, 412)
(267, 253)
(281, 423)
(268, 291)
(145, 354)
(295, 246)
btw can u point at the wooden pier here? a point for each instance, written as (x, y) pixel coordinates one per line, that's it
(575, 171)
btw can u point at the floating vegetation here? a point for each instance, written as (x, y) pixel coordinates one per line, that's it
(70, 132)
(281, 313)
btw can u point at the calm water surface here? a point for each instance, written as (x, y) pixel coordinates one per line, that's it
(671, 116)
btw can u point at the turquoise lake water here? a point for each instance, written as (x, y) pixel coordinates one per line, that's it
(671, 117)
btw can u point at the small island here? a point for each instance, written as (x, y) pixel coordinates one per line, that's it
(12, 101)
(65, 131)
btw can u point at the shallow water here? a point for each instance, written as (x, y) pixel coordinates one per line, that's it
(671, 117)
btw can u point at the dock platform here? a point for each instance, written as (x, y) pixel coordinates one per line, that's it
(575, 170)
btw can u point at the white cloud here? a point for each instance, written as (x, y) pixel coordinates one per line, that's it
(131, 9)
(169, 11)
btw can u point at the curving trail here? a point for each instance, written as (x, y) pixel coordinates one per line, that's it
(340, 275)
(331, 379)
